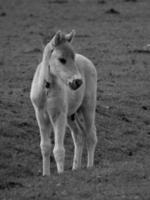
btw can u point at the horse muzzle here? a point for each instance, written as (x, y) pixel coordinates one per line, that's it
(75, 84)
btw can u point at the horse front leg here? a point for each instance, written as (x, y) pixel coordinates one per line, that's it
(78, 136)
(45, 144)
(59, 150)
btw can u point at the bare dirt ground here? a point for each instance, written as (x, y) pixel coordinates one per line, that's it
(112, 33)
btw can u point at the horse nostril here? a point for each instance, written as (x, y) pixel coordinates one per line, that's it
(75, 84)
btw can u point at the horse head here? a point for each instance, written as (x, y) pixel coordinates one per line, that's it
(59, 57)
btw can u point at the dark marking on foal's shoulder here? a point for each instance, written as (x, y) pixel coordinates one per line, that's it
(72, 117)
(47, 84)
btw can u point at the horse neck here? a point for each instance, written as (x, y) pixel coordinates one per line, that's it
(46, 74)
(45, 71)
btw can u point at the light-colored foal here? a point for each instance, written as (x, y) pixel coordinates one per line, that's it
(63, 90)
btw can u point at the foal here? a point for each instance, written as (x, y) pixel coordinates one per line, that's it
(63, 89)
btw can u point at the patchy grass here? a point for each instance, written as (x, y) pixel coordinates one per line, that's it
(114, 42)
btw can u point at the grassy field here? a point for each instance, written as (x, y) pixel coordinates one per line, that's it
(113, 34)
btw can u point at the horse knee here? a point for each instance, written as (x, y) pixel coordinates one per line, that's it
(59, 154)
(91, 140)
(45, 148)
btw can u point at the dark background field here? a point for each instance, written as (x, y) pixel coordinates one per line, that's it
(112, 33)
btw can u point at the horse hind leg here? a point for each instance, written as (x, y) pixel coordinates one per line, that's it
(45, 144)
(91, 144)
(90, 134)
(78, 140)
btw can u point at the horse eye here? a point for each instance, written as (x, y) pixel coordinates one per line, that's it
(62, 60)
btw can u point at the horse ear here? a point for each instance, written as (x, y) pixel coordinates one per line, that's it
(69, 37)
(57, 38)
